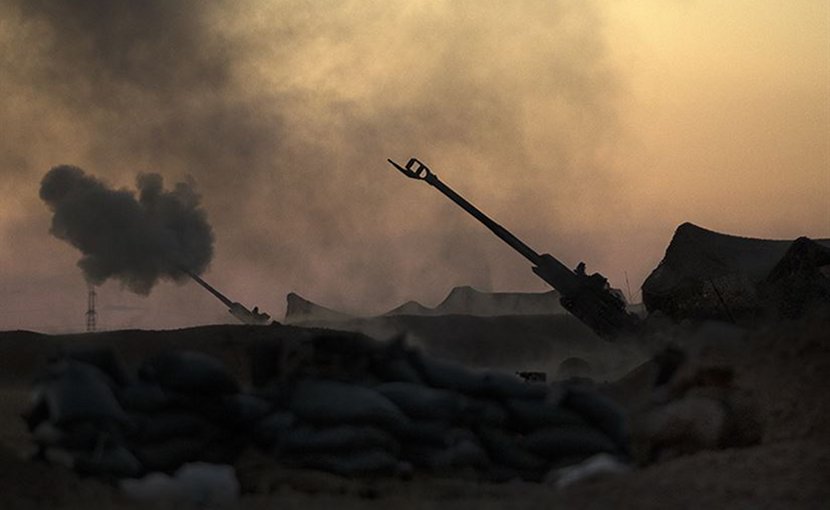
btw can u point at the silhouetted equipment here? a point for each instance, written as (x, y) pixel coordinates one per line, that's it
(587, 297)
(91, 314)
(244, 315)
(707, 275)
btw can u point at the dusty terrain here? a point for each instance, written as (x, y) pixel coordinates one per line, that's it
(783, 364)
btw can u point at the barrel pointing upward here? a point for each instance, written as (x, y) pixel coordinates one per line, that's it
(588, 298)
(564, 276)
(241, 313)
(425, 174)
(221, 297)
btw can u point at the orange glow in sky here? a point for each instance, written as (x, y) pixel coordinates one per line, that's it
(590, 129)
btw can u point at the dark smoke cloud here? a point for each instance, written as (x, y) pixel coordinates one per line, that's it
(150, 45)
(135, 240)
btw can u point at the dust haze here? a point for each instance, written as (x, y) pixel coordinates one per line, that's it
(283, 114)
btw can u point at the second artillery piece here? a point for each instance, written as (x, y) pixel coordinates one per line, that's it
(239, 311)
(588, 297)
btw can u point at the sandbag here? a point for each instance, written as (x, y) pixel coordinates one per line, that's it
(38, 412)
(103, 359)
(465, 453)
(534, 414)
(600, 411)
(322, 401)
(224, 447)
(491, 384)
(506, 385)
(74, 436)
(337, 439)
(508, 450)
(147, 398)
(483, 411)
(47, 434)
(154, 428)
(422, 402)
(189, 372)
(397, 369)
(113, 460)
(565, 442)
(170, 454)
(426, 432)
(243, 409)
(80, 392)
(434, 434)
(448, 374)
(269, 430)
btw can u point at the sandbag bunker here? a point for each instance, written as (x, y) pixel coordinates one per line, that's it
(336, 403)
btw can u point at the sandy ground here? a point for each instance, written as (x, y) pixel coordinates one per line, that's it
(785, 365)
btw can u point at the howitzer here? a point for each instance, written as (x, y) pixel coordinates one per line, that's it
(587, 297)
(239, 311)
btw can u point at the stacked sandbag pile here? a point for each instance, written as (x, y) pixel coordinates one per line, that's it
(352, 407)
(186, 407)
(77, 419)
(404, 411)
(89, 414)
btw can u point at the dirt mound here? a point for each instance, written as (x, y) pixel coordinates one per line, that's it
(788, 366)
(27, 484)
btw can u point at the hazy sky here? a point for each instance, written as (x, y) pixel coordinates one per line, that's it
(590, 129)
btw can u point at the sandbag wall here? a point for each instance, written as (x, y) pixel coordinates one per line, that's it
(91, 415)
(345, 406)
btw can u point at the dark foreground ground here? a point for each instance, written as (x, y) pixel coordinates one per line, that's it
(785, 365)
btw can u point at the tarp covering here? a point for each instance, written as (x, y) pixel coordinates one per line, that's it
(706, 274)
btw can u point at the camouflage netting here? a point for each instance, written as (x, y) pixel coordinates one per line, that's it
(709, 275)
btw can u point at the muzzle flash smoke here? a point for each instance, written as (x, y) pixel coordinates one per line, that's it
(135, 239)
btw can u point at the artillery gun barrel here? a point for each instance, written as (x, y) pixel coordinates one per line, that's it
(241, 313)
(503, 234)
(564, 278)
(589, 298)
(221, 297)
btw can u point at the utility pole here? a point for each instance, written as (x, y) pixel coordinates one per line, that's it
(91, 314)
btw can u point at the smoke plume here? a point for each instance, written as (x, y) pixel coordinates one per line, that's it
(137, 240)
